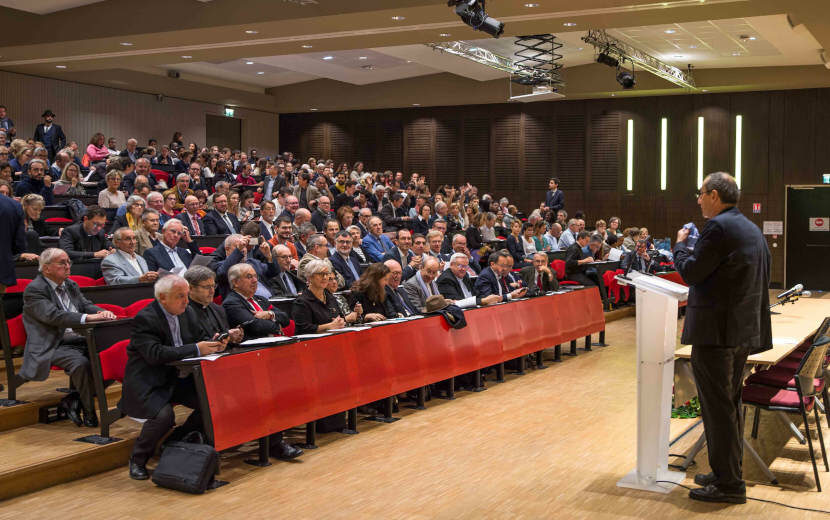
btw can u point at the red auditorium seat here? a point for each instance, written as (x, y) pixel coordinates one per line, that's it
(85, 281)
(132, 309)
(17, 334)
(558, 267)
(115, 309)
(206, 250)
(625, 288)
(59, 220)
(257, 197)
(288, 330)
(612, 285)
(20, 286)
(161, 175)
(114, 361)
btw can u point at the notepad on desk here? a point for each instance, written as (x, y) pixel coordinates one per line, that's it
(268, 340)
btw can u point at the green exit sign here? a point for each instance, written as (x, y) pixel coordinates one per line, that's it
(825, 178)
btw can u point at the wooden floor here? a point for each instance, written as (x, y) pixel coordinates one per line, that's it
(550, 444)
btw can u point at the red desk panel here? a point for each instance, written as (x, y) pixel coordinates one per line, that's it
(256, 393)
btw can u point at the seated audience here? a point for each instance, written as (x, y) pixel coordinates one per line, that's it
(577, 256)
(254, 313)
(375, 243)
(87, 238)
(537, 277)
(370, 292)
(396, 293)
(393, 214)
(71, 178)
(344, 260)
(148, 235)
(112, 197)
(181, 191)
(132, 216)
(403, 254)
(322, 213)
(36, 181)
(492, 279)
(190, 216)
(456, 284)
(267, 226)
(568, 236)
(210, 317)
(284, 236)
(163, 332)
(318, 250)
(639, 259)
(435, 241)
(286, 283)
(219, 221)
(124, 266)
(34, 226)
(52, 305)
(167, 254)
(357, 244)
(459, 245)
(422, 285)
(247, 249)
(316, 309)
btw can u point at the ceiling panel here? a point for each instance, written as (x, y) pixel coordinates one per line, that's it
(45, 6)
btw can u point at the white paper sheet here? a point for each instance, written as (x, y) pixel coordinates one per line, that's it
(265, 341)
(209, 357)
(311, 336)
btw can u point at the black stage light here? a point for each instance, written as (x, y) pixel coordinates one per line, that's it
(626, 79)
(473, 14)
(607, 59)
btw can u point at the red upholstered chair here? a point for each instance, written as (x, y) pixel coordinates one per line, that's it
(161, 175)
(17, 334)
(808, 379)
(20, 286)
(558, 267)
(83, 281)
(288, 330)
(114, 361)
(218, 300)
(132, 309)
(59, 220)
(206, 250)
(257, 197)
(611, 284)
(115, 309)
(625, 289)
(100, 281)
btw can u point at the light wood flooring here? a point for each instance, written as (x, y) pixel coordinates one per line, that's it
(549, 444)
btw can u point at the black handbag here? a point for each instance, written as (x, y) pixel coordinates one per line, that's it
(188, 466)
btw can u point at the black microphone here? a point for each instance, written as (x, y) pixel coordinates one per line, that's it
(796, 289)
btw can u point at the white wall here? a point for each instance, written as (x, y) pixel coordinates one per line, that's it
(83, 110)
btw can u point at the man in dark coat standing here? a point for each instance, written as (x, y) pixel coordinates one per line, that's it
(50, 134)
(727, 318)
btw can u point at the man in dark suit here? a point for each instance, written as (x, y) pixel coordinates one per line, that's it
(347, 197)
(491, 279)
(273, 182)
(52, 305)
(554, 198)
(12, 239)
(305, 192)
(576, 258)
(639, 260)
(239, 250)
(163, 332)
(211, 318)
(456, 284)
(245, 308)
(267, 226)
(538, 277)
(286, 283)
(50, 134)
(87, 238)
(190, 217)
(393, 215)
(218, 221)
(727, 319)
(403, 254)
(131, 151)
(459, 245)
(396, 293)
(167, 254)
(322, 214)
(344, 260)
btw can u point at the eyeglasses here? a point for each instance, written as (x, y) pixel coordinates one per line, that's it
(66, 263)
(211, 286)
(698, 193)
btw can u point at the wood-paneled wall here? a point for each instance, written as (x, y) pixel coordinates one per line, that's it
(511, 150)
(83, 110)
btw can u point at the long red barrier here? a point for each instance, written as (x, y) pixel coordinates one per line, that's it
(260, 392)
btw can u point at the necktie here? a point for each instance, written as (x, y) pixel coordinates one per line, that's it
(288, 284)
(61, 292)
(504, 285)
(229, 223)
(351, 267)
(539, 280)
(254, 304)
(196, 230)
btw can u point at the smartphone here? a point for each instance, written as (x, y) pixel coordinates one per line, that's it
(223, 336)
(253, 241)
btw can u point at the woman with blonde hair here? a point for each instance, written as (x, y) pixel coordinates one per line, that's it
(112, 197)
(71, 176)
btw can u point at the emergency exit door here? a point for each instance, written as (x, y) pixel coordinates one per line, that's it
(808, 237)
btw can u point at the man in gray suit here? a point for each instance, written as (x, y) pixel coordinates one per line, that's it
(52, 305)
(125, 266)
(422, 285)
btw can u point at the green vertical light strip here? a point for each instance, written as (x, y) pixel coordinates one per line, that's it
(664, 152)
(629, 177)
(739, 129)
(700, 136)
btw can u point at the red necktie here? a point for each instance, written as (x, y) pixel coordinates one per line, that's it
(196, 225)
(254, 304)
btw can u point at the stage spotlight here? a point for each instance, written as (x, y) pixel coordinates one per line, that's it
(626, 79)
(607, 59)
(473, 14)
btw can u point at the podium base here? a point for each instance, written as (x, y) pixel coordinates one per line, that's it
(634, 481)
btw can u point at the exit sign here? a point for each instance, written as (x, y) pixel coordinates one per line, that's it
(756, 207)
(825, 178)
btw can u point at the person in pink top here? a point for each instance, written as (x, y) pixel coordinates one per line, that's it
(96, 150)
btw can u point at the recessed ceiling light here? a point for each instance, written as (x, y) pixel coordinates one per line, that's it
(249, 63)
(569, 24)
(399, 18)
(307, 46)
(444, 35)
(706, 90)
(368, 67)
(678, 56)
(416, 104)
(736, 53)
(126, 44)
(251, 31)
(186, 57)
(60, 66)
(313, 109)
(531, 5)
(327, 58)
(693, 46)
(260, 73)
(580, 48)
(670, 31)
(363, 57)
(613, 95)
(409, 61)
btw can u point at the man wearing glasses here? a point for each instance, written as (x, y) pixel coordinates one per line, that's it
(727, 318)
(36, 181)
(125, 266)
(167, 254)
(87, 239)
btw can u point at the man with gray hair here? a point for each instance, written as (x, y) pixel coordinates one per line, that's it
(318, 250)
(422, 285)
(305, 231)
(455, 283)
(245, 308)
(221, 188)
(142, 169)
(181, 190)
(568, 237)
(125, 266)
(52, 305)
(190, 216)
(163, 332)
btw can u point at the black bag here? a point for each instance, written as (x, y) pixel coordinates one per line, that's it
(77, 209)
(187, 466)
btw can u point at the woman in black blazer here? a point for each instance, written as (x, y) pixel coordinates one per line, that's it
(421, 223)
(514, 243)
(370, 292)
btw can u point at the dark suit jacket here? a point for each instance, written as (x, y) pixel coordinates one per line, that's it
(573, 254)
(319, 219)
(264, 270)
(642, 265)
(157, 257)
(263, 230)
(213, 224)
(516, 249)
(12, 238)
(555, 200)
(29, 185)
(239, 312)
(450, 287)
(392, 217)
(487, 283)
(278, 288)
(527, 275)
(395, 254)
(148, 379)
(58, 139)
(205, 328)
(78, 245)
(400, 301)
(728, 275)
(340, 265)
(342, 199)
(185, 218)
(420, 226)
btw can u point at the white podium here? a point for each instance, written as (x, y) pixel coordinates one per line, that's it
(657, 301)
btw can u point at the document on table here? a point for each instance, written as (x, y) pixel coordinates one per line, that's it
(349, 329)
(784, 341)
(209, 357)
(265, 341)
(281, 299)
(311, 336)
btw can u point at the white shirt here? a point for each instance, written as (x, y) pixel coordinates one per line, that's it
(174, 257)
(132, 260)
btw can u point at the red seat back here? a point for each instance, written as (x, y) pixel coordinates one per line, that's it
(161, 175)
(559, 268)
(114, 361)
(115, 309)
(83, 281)
(218, 300)
(132, 309)
(625, 288)
(17, 333)
(20, 286)
(288, 330)
(59, 220)
(611, 284)
(257, 197)
(100, 281)
(206, 250)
